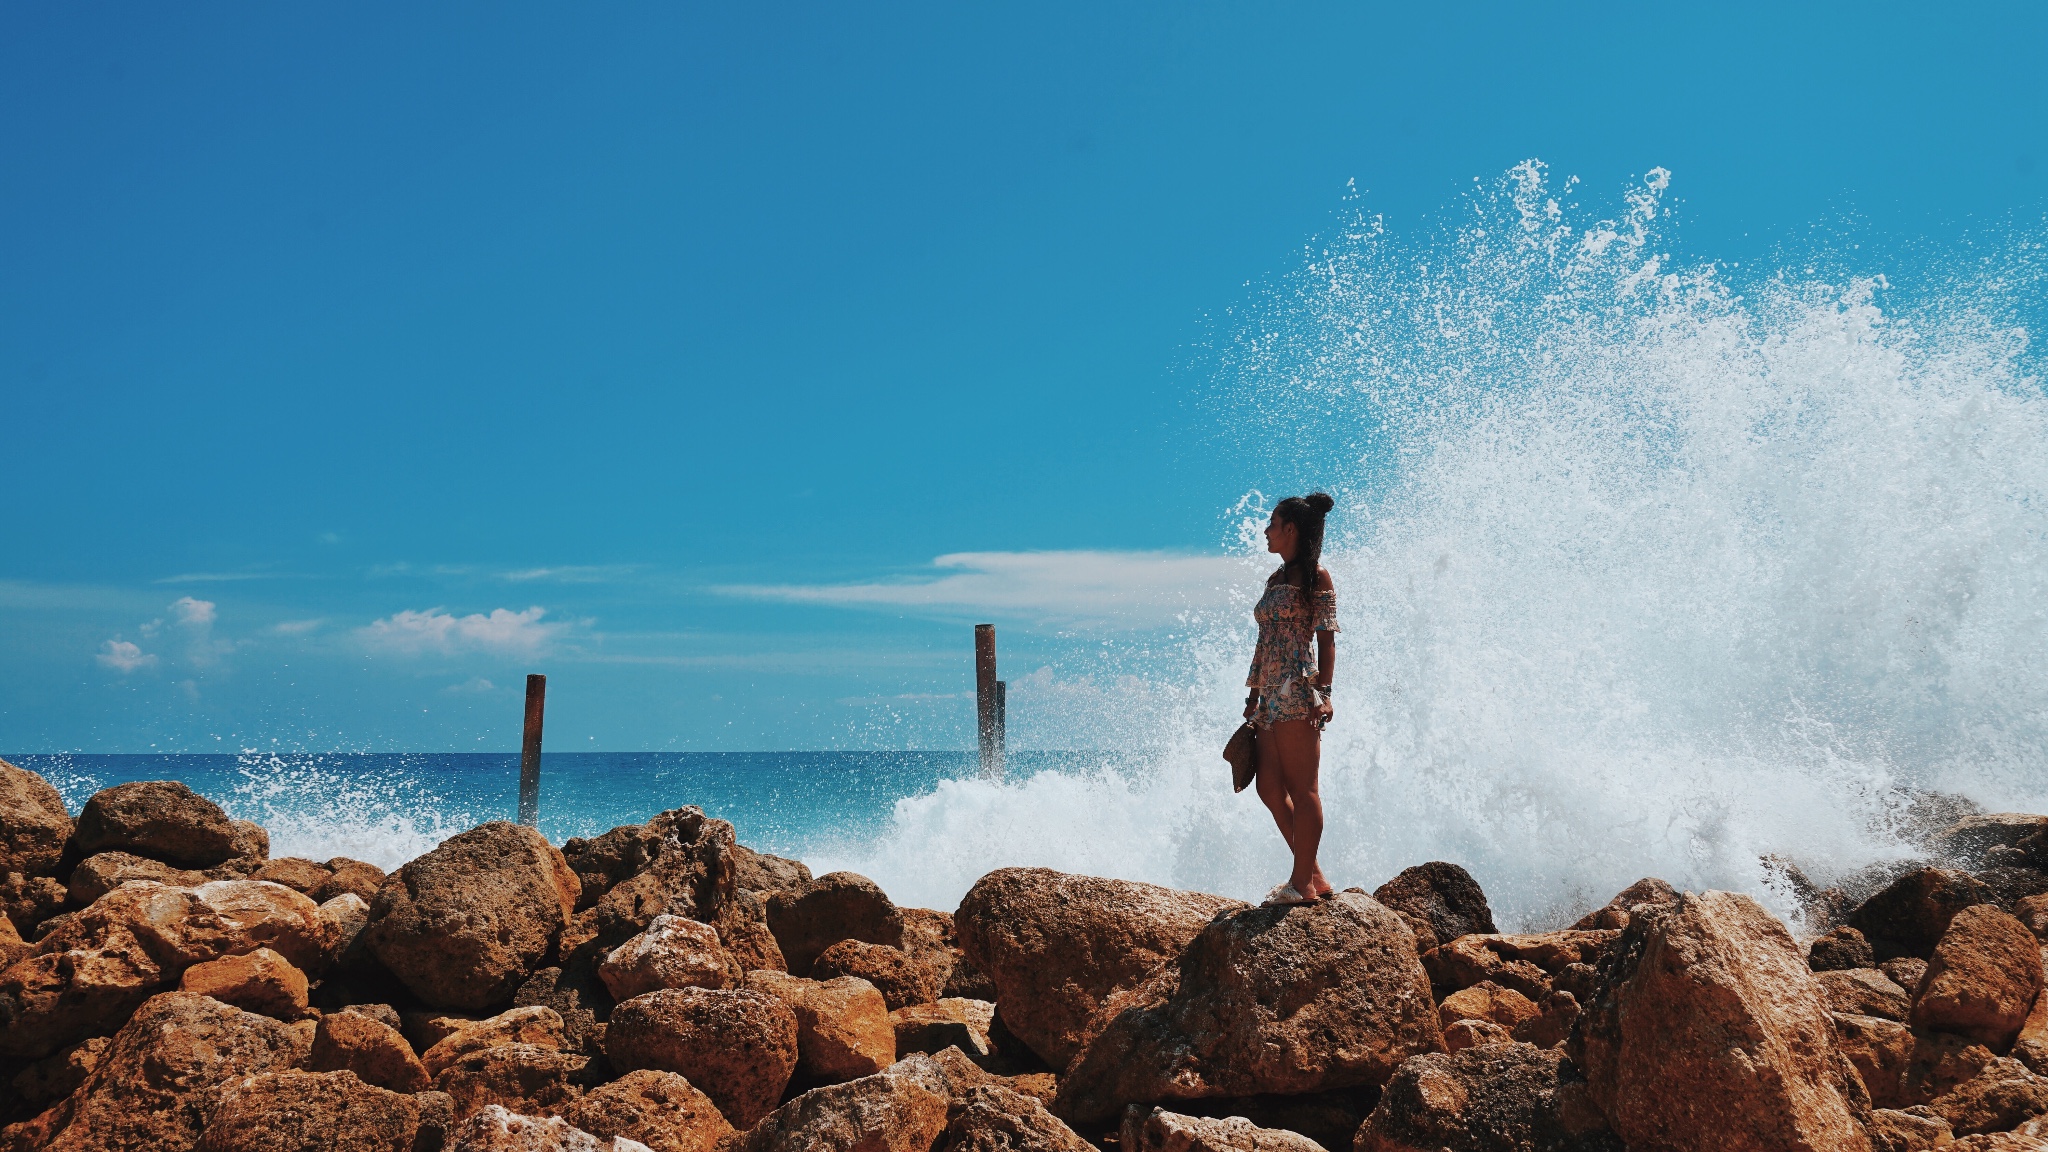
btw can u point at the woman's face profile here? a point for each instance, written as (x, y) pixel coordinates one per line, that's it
(1280, 537)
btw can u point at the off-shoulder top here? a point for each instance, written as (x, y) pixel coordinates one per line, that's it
(1289, 618)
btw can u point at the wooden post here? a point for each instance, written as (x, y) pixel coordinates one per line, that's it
(529, 752)
(988, 708)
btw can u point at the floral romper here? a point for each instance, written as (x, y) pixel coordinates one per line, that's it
(1284, 664)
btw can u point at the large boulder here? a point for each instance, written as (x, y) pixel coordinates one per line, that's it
(1501, 1098)
(837, 906)
(29, 900)
(680, 863)
(1158, 1130)
(261, 981)
(738, 1046)
(991, 1118)
(1712, 1033)
(311, 1112)
(1056, 946)
(903, 981)
(1440, 900)
(897, 1110)
(1998, 1099)
(2031, 1046)
(577, 996)
(1983, 979)
(526, 1078)
(760, 872)
(659, 1109)
(537, 1025)
(1908, 916)
(34, 823)
(1286, 1000)
(162, 1076)
(673, 952)
(1841, 949)
(1865, 992)
(372, 1050)
(464, 925)
(161, 819)
(102, 872)
(843, 1027)
(349, 876)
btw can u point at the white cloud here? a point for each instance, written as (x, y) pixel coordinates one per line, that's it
(124, 656)
(476, 685)
(413, 633)
(571, 573)
(1133, 588)
(295, 627)
(193, 613)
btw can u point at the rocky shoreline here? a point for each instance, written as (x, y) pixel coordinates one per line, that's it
(165, 984)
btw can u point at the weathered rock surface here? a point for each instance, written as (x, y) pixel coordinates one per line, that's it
(680, 863)
(310, 1112)
(1895, 1131)
(161, 1077)
(901, 980)
(738, 1046)
(992, 1118)
(538, 1026)
(2033, 912)
(2031, 1046)
(526, 1078)
(1712, 1033)
(58, 1075)
(760, 872)
(834, 907)
(953, 1022)
(891, 1111)
(843, 1027)
(1057, 945)
(261, 981)
(1881, 1051)
(1983, 979)
(1487, 1001)
(1969, 842)
(1439, 900)
(1840, 950)
(1864, 992)
(1529, 964)
(1502, 1098)
(673, 952)
(577, 996)
(161, 819)
(464, 925)
(29, 900)
(1615, 914)
(296, 873)
(659, 1109)
(498, 1129)
(34, 824)
(1158, 1130)
(1909, 915)
(373, 1051)
(1998, 1099)
(1471, 1033)
(349, 876)
(103, 872)
(1905, 971)
(1266, 1000)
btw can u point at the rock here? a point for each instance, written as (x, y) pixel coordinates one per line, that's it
(760, 872)
(1158, 1130)
(383, 1014)
(950, 1023)
(2031, 1047)
(679, 863)
(496, 1129)
(578, 997)
(160, 819)
(1267, 1000)
(2001, 1142)
(1998, 1099)
(837, 906)
(103, 872)
(254, 914)
(372, 1050)
(12, 946)
(1865, 992)
(901, 980)
(537, 1026)
(29, 900)
(1463, 1034)
(1056, 945)
(1616, 912)
(310, 1112)
(296, 873)
(1911, 913)
(1906, 972)
(1840, 950)
(1895, 1131)
(659, 1109)
(996, 1119)
(1528, 964)
(1712, 1033)
(437, 1121)
(1968, 841)
(250, 850)
(843, 1027)
(886, 1112)
(1984, 977)
(1502, 1098)
(59, 1075)
(1441, 897)
(34, 824)
(2010, 885)
(425, 1027)
(261, 981)
(525, 1078)
(1881, 1051)
(161, 1076)
(743, 926)
(343, 920)
(2033, 912)
(739, 1047)
(1487, 1001)
(349, 876)
(464, 925)
(931, 944)
(671, 953)
(1938, 1063)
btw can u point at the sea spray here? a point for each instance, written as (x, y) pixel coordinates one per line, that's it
(1640, 575)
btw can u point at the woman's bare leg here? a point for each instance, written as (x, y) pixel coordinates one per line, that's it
(1299, 745)
(1272, 786)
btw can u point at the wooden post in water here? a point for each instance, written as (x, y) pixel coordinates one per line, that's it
(529, 752)
(988, 702)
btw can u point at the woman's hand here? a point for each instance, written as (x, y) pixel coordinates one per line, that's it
(1326, 709)
(1250, 702)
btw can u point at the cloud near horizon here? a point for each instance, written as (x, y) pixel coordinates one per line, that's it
(124, 656)
(414, 633)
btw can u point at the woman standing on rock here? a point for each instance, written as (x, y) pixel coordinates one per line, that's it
(1289, 702)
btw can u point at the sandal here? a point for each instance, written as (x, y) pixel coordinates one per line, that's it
(1284, 895)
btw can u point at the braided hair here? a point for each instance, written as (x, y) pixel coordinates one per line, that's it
(1306, 513)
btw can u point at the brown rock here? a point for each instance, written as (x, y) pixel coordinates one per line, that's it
(997, 1119)
(525, 1078)
(346, 875)
(658, 1109)
(1712, 1033)
(1267, 1000)
(161, 819)
(954, 1022)
(1984, 976)
(1881, 1051)
(1501, 1098)
(886, 1112)
(1528, 964)
(34, 824)
(59, 1075)
(537, 1026)
(738, 1046)
(1864, 992)
(1895, 1131)
(310, 1112)
(838, 906)
(383, 1014)
(161, 1077)
(2001, 1142)
(261, 981)
(497, 1129)
(29, 900)
(1909, 915)
(1938, 1063)
(843, 1027)
(1440, 897)
(578, 996)
(345, 949)
(1840, 950)
(250, 850)
(2033, 912)
(901, 979)
(679, 863)
(1487, 1001)
(1056, 946)
(296, 873)
(1969, 842)
(2031, 1047)
(1905, 971)
(1158, 1130)
(351, 1042)
(464, 925)
(743, 926)
(760, 872)
(103, 872)
(1615, 913)
(1998, 1099)
(671, 953)
(1553, 1022)
(425, 1027)
(1463, 1034)
(930, 942)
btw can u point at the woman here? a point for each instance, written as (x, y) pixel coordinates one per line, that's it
(1290, 687)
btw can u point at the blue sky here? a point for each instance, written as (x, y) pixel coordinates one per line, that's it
(354, 362)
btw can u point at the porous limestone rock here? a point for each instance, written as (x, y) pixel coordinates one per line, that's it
(102, 872)
(2031, 1046)
(1892, 1130)
(680, 863)
(538, 1025)
(843, 1027)
(1487, 1001)
(1970, 842)
(896, 1110)
(349, 876)
(738, 1047)
(1529, 964)
(1500, 1098)
(1285, 1000)
(34, 824)
(1905, 971)
(577, 995)
(1712, 1033)
(297, 1111)
(953, 1022)
(2000, 1098)
(161, 819)
(525, 1078)
(343, 920)
(1470, 1033)
(296, 873)
(1056, 946)
(1615, 913)
(1982, 980)
(1440, 900)
(2033, 912)
(464, 925)
(1881, 1051)
(261, 981)
(1909, 915)
(369, 1048)
(760, 872)
(1157, 1130)
(1842, 949)
(901, 980)
(672, 952)
(27, 901)
(991, 1118)
(659, 1109)
(834, 907)
(498, 1129)
(1864, 992)
(58, 1075)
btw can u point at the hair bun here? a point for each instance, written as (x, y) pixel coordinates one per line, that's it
(1320, 502)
